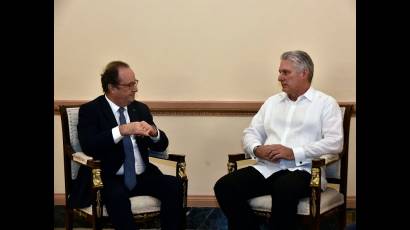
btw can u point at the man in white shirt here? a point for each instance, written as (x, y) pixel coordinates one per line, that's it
(290, 129)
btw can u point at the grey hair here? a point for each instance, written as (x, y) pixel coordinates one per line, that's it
(302, 61)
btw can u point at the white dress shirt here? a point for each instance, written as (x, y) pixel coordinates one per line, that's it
(311, 126)
(139, 163)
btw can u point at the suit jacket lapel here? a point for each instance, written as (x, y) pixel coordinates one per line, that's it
(132, 113)
(107, 112)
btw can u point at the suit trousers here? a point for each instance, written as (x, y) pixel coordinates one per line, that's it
(286, 188)
(153, 183)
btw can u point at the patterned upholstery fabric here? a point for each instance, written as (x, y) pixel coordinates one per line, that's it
(72, 114)
(139, 204)
(329, 199)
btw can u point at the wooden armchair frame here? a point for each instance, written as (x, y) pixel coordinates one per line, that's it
(313, 220)
(96, 218)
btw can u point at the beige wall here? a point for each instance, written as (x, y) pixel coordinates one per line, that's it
(202, 50)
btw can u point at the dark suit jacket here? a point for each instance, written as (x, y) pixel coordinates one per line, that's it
(95, 122)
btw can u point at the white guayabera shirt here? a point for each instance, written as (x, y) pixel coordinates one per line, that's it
(311, 126)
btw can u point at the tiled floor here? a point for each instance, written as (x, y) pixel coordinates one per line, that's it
(197, 219)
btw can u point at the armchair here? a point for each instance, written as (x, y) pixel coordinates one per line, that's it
(144, 208)
(321, 204)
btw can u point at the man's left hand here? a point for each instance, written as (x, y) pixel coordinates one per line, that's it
(151, 130)
(280, 152)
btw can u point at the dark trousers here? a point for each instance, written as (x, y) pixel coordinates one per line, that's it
(286, 188)
(153, 183)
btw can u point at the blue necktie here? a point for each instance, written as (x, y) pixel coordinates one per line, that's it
(130, 178)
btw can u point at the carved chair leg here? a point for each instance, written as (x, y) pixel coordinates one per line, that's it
(342, 219)
(315, 224)
(97, 225)
(183, 218)
(68, 219)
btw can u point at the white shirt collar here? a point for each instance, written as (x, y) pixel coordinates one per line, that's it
(113, 106)
(309, 94)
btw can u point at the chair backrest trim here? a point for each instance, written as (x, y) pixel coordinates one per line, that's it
(67, 148)
(345, 152)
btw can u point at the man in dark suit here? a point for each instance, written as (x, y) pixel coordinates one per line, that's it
(120, 132)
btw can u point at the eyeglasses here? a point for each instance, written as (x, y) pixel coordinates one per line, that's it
(131, 85)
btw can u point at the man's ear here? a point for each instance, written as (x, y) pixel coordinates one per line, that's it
(111, 87)
(305, 73)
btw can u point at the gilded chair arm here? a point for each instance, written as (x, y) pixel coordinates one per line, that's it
(316, 172)
(233, 160)
(180, 163)
(315, 186)
(94, 165)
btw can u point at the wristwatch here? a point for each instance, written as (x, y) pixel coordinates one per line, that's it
(254, 148)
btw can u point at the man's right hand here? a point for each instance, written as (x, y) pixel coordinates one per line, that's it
(139, 128)
(263, 151)
(274, 152)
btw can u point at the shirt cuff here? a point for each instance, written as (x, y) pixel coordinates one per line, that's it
(156, 139)
(299, 155)
(116, 135)
(251, 150)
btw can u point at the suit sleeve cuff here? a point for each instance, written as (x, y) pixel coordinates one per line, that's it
(251, 150)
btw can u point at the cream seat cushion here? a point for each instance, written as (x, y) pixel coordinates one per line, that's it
(329, 199)
(139, 204)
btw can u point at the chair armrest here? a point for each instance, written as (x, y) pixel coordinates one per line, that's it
(176, 157)
(180, 163)
(85, 160)
(233, 160)
(330, 158)
(179, 158)
(333, 163)
(318, 162)
(94, 165)
(238, 157)
(159, 155)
